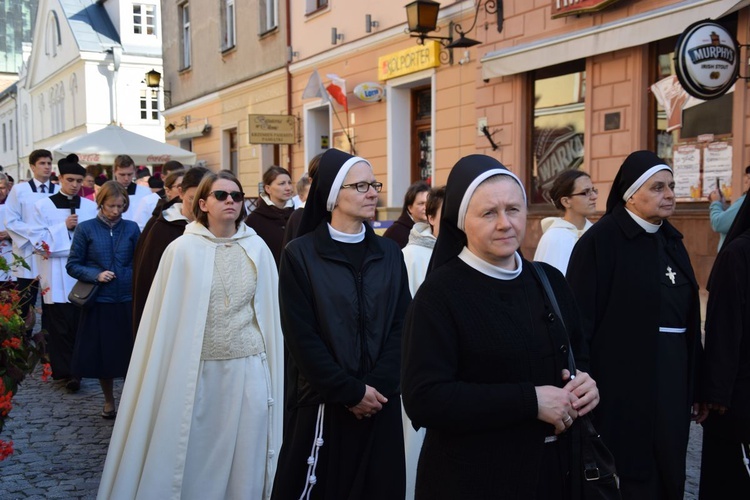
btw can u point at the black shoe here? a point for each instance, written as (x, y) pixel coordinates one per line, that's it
(73, 385)
(109, 415)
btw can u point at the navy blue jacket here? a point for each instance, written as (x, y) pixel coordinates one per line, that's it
(92, 251)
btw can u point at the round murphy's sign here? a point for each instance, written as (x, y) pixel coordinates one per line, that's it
(706, 60)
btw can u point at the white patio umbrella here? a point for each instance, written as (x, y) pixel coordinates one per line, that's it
(104, 145)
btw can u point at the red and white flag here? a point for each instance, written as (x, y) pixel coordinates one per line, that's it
(337, 89)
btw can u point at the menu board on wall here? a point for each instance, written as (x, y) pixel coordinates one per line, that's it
(717, 166)
(687, 171)
(698, 167)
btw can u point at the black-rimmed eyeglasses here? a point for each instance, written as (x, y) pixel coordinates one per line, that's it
(363, 187)
(237, 196)
(587, 192)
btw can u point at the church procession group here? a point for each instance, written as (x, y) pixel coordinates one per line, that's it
(296, 354)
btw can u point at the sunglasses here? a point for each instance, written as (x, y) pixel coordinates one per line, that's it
(237, 196)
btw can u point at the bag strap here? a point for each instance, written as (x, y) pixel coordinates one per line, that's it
(576, 488)
(542, 275)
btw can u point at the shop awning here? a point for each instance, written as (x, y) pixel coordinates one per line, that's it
(188, 132)
(629, 32)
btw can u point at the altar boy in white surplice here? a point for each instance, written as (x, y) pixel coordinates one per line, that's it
(59, 215)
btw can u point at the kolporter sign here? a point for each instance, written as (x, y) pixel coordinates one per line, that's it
(409, 60)
(706, 60)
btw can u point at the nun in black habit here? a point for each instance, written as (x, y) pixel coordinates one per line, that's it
(343, 293)
(485, 358)
(725, 380)
(638, 296)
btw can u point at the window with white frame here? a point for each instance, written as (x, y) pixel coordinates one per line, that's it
(144, 19)
(268, 15)
(228, 32)
(5, 140)
(149, 104)
(11, 135)
(185, 35)
(313, 5)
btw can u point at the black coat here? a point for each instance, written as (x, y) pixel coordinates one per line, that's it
(269, 221)
(726, 377)
(342, 329)
(726, 373)
(615, 274)
(156, 236)
(399, 230)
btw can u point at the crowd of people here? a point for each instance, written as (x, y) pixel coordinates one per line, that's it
(293, 353)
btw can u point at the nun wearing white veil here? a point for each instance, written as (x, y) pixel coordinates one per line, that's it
(633, 281)
(343, 293)
(483, 370)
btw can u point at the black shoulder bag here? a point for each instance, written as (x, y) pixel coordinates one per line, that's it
(597, 479)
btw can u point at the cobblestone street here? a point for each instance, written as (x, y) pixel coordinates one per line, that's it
(61, 440)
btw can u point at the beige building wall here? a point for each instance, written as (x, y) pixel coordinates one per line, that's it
(223, 85)
(377, 136)
(228, 109)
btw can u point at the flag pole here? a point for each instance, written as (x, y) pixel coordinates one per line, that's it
(324, 91)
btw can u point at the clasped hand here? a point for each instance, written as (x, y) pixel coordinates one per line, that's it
(561, 406)
(371, 403)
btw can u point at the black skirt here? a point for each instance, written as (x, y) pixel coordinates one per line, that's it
(104, 341)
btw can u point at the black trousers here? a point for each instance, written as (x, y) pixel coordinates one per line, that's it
(723, 472)
(62, 326)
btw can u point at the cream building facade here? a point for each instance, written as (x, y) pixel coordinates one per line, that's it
(225, 61)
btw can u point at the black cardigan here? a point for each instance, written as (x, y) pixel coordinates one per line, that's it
(474, 349)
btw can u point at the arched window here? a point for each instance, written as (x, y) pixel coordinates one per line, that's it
(52, 35)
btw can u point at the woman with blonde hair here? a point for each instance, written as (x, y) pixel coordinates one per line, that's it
(102, 252)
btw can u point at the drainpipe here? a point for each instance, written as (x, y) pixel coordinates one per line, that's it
(289, 75)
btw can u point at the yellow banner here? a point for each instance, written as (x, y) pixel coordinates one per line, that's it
(409, 60)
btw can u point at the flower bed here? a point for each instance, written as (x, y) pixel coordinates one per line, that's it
(19, 354)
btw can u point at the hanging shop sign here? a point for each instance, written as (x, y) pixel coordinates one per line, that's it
(562, 8)
(706, 60)
(409, 60)
(369, 92)
(271, 129)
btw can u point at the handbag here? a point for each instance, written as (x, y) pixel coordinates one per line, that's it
(82, 294)
(596, 478)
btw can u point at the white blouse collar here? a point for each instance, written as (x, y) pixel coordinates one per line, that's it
(646, 225)
(346, 237)
(488, 269)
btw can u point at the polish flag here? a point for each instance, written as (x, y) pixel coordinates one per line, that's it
(337, 89)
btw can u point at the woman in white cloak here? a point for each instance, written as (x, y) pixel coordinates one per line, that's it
(198, 417)
(575, 195)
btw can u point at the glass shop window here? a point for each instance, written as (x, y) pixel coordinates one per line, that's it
(558, 121)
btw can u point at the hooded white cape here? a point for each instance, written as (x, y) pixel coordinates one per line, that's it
(147, 451)
(557, 242)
